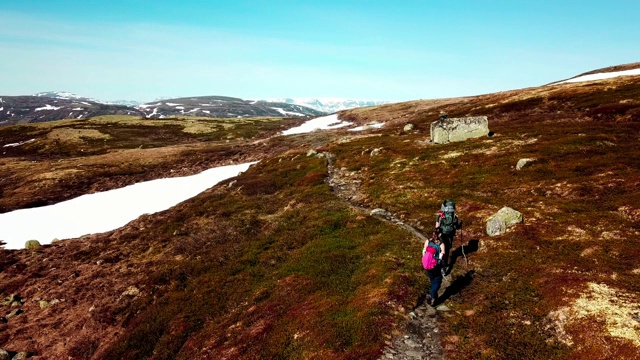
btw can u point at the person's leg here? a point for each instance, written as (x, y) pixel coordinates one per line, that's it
(436, 282)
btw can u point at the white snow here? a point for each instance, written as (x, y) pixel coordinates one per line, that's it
(144, 106)
(284, 112)
(172, 104)
(600, 76)
(106, 211)
(19, 144)
(155, 111)
(47, 107)
(78, 108)
(206, 111)
(367, 127)
(1, 108)
(322, 123)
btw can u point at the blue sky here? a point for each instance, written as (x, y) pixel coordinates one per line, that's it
(378, 50)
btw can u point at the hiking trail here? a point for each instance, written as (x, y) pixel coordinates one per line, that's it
(419, 336)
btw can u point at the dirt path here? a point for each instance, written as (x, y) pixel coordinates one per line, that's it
(419, 336)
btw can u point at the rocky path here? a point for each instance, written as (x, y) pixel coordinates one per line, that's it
(419, 337)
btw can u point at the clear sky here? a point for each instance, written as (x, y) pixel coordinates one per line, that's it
(376, 50)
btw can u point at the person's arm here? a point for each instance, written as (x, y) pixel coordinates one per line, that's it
(424, 248)
(442, 251)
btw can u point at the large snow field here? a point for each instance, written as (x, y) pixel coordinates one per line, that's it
(108, 210)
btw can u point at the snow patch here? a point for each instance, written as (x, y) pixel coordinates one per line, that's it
(322, 123)
(144, 106)
(47, 107)
(19, 143)
(367, 127)
(600, 76)
(284, 112)
(173, 104)
(109, 210)
(78, 108)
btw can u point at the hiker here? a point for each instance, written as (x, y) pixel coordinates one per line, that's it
(432, 257)
(447, 223)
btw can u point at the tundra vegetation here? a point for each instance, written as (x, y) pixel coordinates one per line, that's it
(274, 265)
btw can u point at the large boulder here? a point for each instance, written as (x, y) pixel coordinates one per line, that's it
(447, 130)
(502, 220)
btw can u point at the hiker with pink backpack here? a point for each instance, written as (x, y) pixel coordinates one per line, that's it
(432, 261)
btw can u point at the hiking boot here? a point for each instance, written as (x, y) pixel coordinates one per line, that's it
(432, 302)
(428, 299)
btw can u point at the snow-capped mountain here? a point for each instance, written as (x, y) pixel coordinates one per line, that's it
(65, 95)
(330, 105)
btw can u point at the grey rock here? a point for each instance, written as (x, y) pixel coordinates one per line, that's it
(4, 355)
(505, 218)
(312, 152)
(408, 127)
(32, 244)
(21, 355)
(522, 162)
(413, 354)
(380, 212)
(14, 313)
(375, 152)
(447, 130)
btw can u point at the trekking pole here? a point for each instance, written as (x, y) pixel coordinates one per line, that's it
(462, 247)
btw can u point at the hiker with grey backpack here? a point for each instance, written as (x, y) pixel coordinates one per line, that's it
(447, 223)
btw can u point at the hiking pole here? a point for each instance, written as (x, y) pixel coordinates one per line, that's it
(462, 247)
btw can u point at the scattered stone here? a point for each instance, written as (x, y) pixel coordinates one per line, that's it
(312, 153)
(55, 240)
(43, 304)
(380, 212)
(14, 313)
(3, 320)
(375, 152)
(12, 300)
(408, 127)
(21, 355)
(522, 162)
(32, 244)
(503, 219)
(4, 355)
(131, 291)
(413, 354)
(442, 307)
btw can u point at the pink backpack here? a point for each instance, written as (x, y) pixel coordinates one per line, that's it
(430, 257)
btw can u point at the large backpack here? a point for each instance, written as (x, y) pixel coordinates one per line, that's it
(431, 256)
(447, 218)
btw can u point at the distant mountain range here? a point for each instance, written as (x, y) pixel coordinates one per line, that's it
(57, 105)
(331, 105)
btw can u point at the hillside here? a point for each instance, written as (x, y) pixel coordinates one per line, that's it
(286, 260)
(51, 106)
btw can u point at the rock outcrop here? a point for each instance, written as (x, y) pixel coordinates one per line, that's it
(502, 220)
(445, 130)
